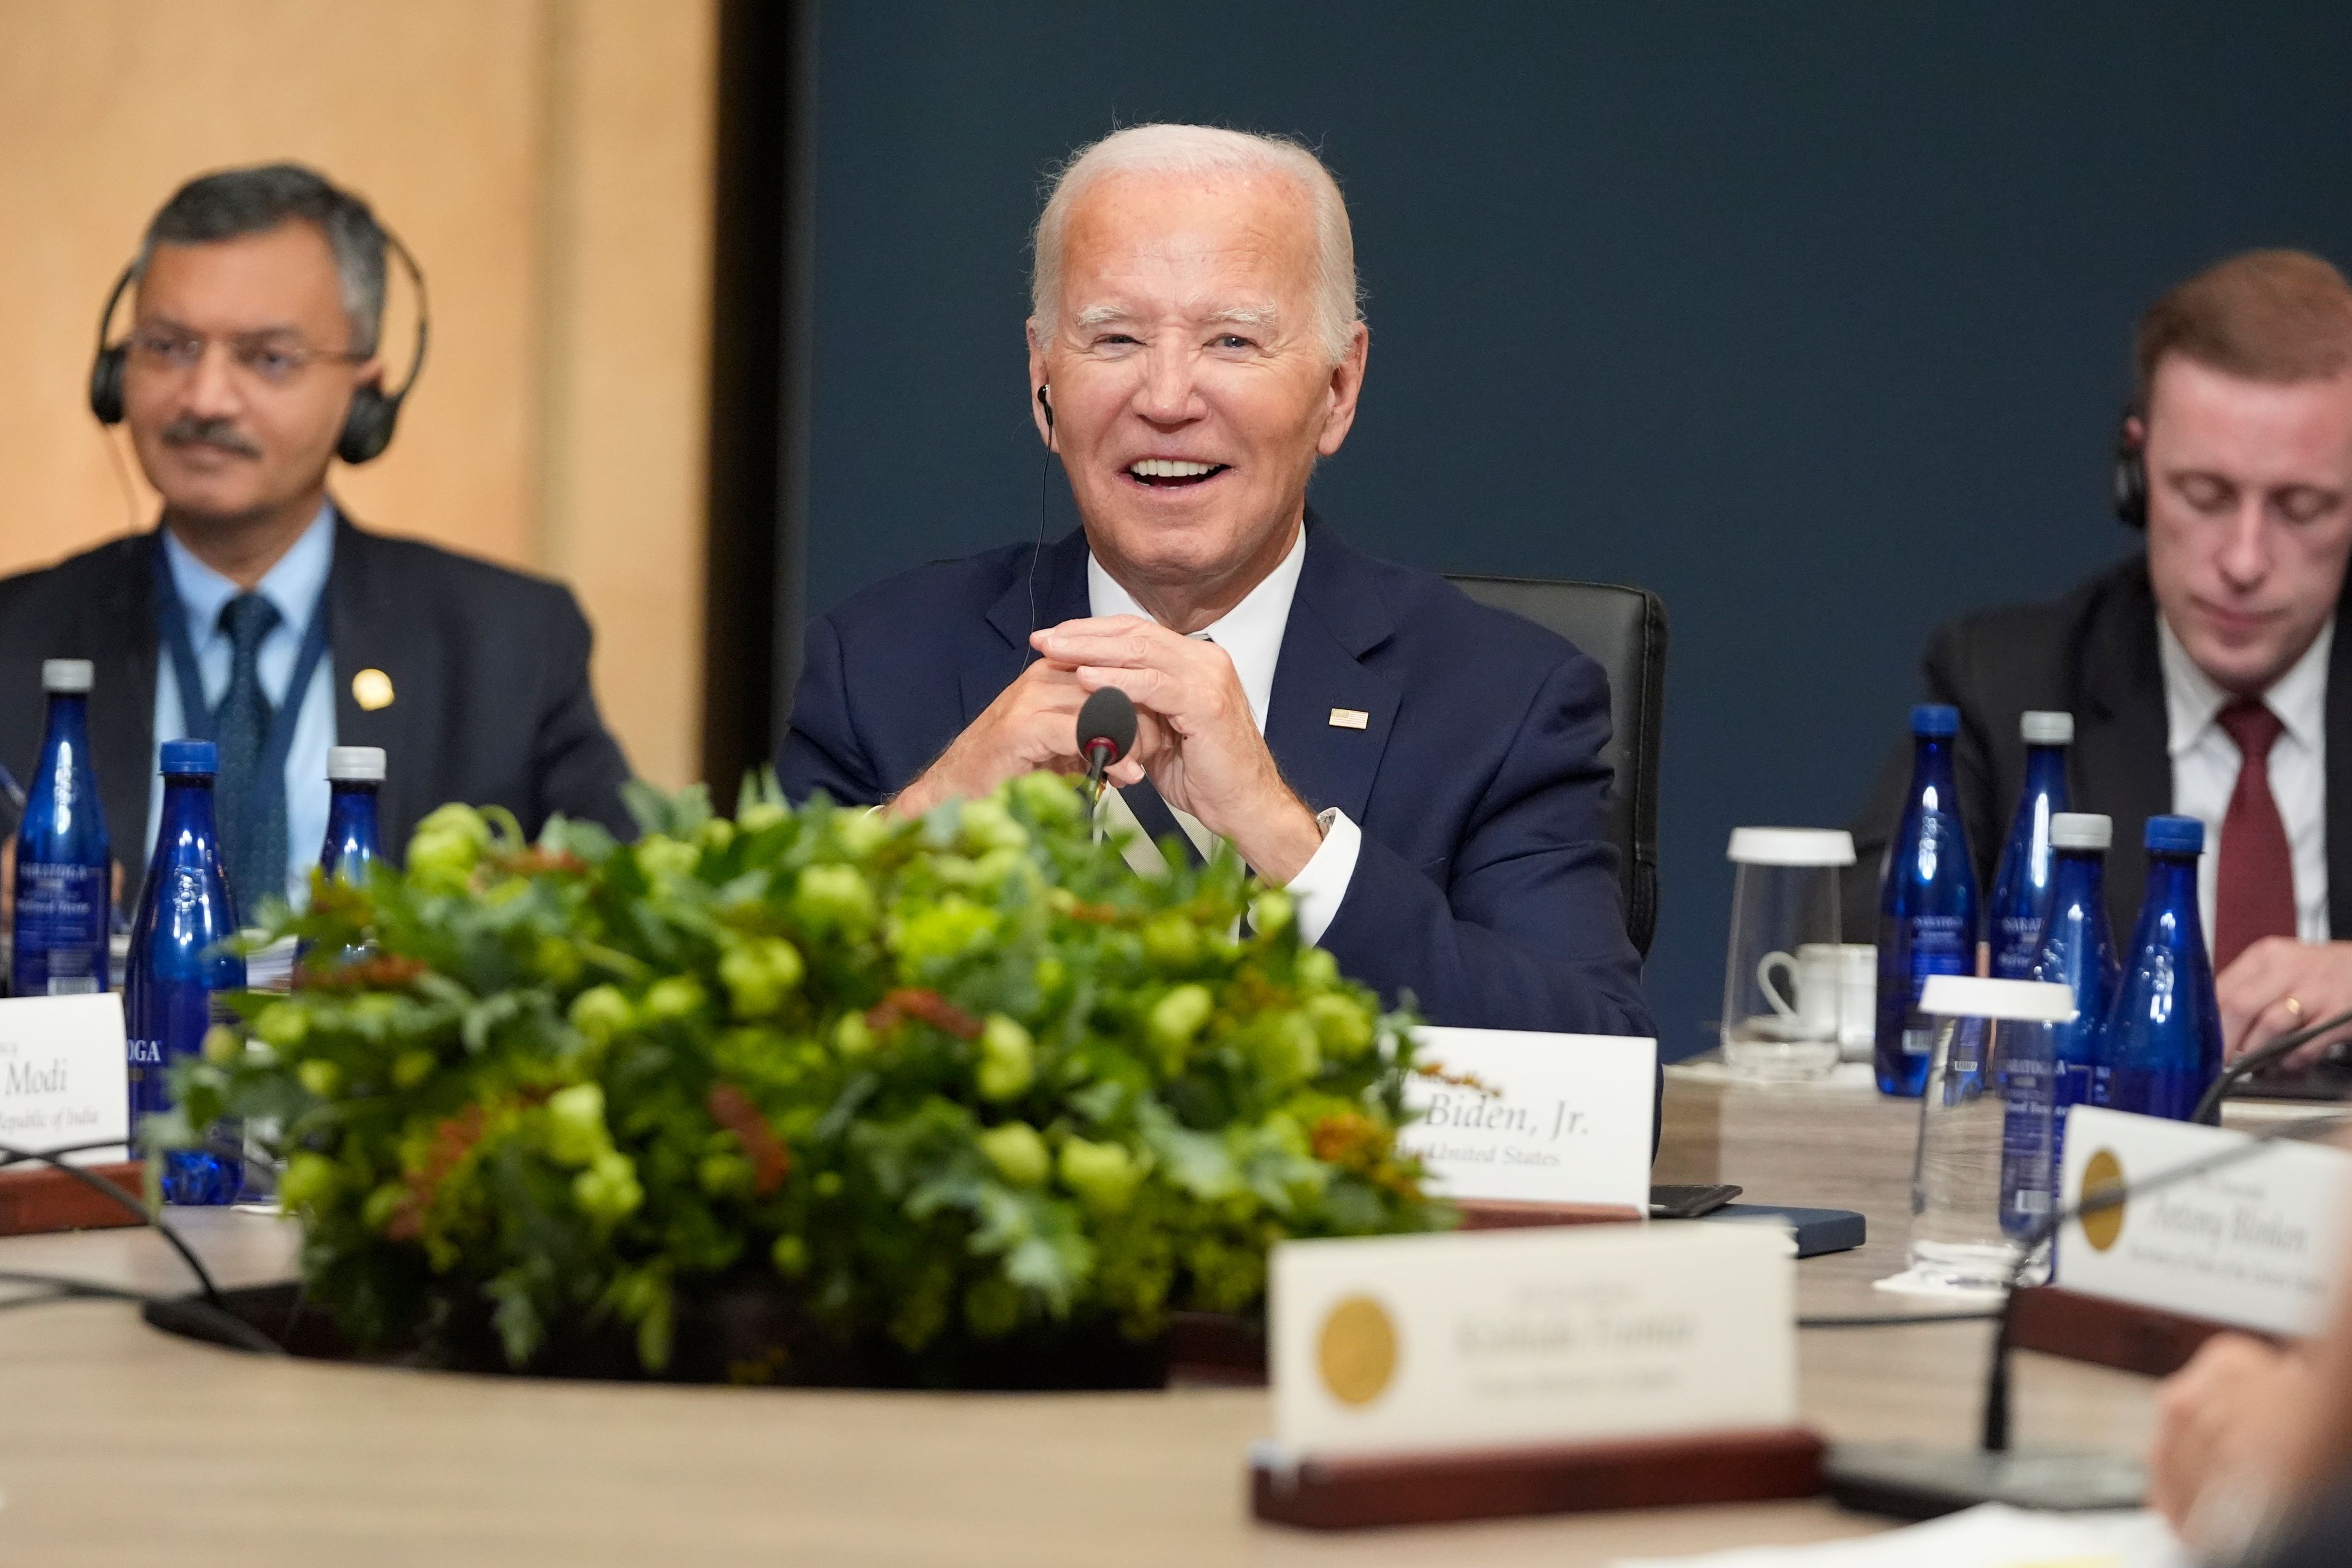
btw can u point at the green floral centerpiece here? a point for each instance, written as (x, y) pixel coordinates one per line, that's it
(939, 1085)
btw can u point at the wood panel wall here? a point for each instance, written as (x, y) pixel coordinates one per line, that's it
(550, 164)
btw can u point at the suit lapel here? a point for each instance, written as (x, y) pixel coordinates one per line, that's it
(122, 722)
(2122, 764)
(369, 627)
(1060, 579)
(1337, 617)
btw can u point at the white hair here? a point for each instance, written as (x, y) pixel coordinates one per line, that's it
(1203, 150)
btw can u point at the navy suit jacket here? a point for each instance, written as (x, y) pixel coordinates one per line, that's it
(489, 671)
(1487, 885)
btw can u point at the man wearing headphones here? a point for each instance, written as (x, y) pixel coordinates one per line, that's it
(257, 615)
(2208, 676)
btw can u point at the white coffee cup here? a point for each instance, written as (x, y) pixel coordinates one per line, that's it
(1837, 989)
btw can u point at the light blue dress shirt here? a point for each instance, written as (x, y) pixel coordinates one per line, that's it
(296, 585)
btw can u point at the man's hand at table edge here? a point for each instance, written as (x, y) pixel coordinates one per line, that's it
(1204, 753)
(2279, 986)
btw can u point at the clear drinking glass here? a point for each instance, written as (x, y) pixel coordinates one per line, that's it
(1984, 1175)
(1782, 1003)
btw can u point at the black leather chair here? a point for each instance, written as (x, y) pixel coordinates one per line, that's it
(1625, 630)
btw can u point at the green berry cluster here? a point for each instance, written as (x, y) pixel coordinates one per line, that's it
(947, 1078)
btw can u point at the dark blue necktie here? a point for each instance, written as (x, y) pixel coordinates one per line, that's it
(252, 796)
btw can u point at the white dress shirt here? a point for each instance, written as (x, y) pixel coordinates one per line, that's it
(296, 587)
(1251, 634)
(2205, 769)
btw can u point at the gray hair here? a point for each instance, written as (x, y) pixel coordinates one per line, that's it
(1197, 149)
(232, 202)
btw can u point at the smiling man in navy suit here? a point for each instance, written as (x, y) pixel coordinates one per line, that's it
(1421, 774)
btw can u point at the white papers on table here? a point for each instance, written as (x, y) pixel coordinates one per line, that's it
(1990, 1535)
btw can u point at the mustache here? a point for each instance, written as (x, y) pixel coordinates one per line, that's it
(188, 430)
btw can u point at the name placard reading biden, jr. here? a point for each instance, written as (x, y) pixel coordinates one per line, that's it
(2255, 1245)
(1496, 1339)
(1561, 1119)
(62, 1077)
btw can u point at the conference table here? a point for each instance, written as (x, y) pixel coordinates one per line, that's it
(122, 1444)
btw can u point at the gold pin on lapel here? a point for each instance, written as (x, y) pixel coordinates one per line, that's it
(1349, 718)
(371, 690)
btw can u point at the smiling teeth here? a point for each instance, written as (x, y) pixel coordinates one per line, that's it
(1171, 469)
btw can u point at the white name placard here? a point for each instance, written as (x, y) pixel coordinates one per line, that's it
(1549, 1119)
(1486, 1338)
(2255, 1245)
(62, 1076)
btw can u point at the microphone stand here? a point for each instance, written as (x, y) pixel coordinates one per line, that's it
(1907, 1482)
(2208, 1109)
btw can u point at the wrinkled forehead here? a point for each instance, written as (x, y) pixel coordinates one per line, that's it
(1199, 244)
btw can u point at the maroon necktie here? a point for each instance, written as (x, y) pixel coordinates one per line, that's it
(2254, 890)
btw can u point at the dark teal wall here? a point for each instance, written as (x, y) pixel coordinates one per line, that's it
(1812, 318)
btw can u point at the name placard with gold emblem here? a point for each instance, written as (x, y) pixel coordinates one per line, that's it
(1534, 1118)
(1480, 1341)
(2255, 1245)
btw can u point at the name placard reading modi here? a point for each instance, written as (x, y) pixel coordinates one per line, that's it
(62, 1075)
(2255, 1245)
(1536, 1117)
(1491, 1339)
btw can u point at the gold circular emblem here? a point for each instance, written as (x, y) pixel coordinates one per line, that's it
(371, 690)
(1358, 1351)
(2102, 1173)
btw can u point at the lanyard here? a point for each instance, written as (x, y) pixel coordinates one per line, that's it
(196, 716)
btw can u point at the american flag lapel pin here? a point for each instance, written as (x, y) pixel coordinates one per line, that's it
(1349, 718)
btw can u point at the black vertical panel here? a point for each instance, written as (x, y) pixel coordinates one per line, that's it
(759, 380)
(1812, 318)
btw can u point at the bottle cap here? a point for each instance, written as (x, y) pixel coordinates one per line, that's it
(2175, 836)
(2047, 728)
(355, 764)
(2081, 830)
(1934, 719)
(1792, 846)
(2020, 1001)
(190, 757)
(65, 674)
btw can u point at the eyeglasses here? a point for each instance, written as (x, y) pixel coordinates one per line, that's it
(270, 361)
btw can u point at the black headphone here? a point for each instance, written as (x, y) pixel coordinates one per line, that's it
(1048, 407)
(367, 427)
(2130, 480)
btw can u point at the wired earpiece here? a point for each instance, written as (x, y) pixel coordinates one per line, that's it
(1044, 479)
(367, 426)
(2130, 480)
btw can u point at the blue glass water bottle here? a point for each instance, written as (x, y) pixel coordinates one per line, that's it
(64, 865)
(2021, 886)
(178, 970)
(2162, 1046)
(2078, 953)
(355, 774)
(1926, 905)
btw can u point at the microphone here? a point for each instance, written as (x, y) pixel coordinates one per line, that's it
(2208, 1109)
(1908, 1482)
(1106, 733)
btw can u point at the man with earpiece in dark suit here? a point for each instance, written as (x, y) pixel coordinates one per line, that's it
(257, 615)
(2209, 677)
(1421, 774)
